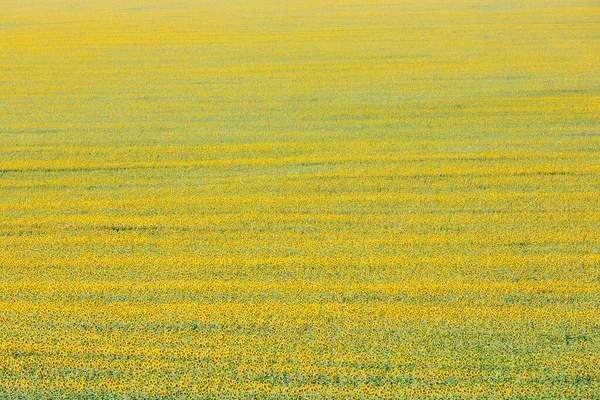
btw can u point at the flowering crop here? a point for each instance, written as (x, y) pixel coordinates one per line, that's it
(315, 199)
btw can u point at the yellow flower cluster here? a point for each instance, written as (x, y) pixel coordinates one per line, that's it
(314, 199)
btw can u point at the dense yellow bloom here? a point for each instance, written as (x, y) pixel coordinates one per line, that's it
(312, 199)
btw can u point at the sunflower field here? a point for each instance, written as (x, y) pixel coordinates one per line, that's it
(317, 199)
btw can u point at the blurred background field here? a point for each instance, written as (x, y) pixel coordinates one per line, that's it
(317, 199)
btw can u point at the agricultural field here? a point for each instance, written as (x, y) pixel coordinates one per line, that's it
(317, 199)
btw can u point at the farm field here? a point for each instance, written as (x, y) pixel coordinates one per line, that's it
(313, 199)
